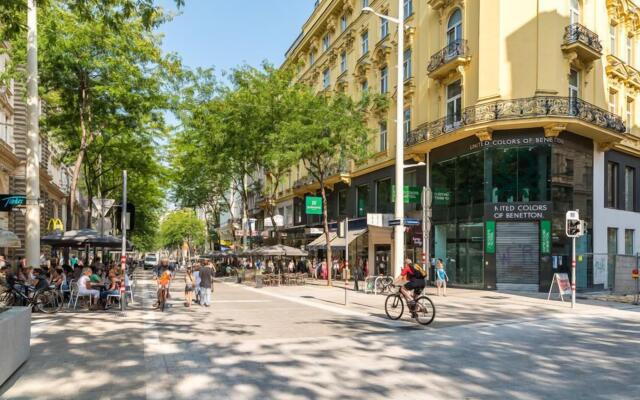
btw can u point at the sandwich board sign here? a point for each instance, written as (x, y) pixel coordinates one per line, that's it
(562, 282)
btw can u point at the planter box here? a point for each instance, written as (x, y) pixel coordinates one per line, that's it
(15, 336)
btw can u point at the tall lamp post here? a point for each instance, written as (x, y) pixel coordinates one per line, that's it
(398, 232)
(32, 242)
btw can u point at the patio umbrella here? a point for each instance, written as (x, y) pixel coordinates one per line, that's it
(280, 250)
(9, 239)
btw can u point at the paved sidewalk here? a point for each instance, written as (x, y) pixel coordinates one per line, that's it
(304, 343)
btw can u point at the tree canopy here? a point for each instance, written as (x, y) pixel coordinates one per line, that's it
(179, 227)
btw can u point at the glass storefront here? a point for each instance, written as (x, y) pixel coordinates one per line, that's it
(516, 169)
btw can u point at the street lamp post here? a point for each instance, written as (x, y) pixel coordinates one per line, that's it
(398, 233)
(32, 242)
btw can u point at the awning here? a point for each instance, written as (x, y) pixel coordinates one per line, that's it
(337, 243)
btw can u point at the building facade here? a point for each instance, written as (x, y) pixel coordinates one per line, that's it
(522, 110)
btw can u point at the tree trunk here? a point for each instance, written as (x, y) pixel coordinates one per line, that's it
(325, 225)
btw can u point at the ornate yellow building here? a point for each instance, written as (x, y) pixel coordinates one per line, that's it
(521, 109)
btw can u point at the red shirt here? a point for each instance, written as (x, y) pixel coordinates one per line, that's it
(407, 272)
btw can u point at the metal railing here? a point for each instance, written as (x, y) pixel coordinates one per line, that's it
(579, 33)
(525, 108)
(455, 49)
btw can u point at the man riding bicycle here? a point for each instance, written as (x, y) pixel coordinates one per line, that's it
(414, 278)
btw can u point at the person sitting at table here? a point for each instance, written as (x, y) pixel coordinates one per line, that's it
(111, 287)
(40, 279)
(57, 278)
(97, 277)
(85, 287)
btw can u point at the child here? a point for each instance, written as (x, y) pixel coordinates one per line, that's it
(441, 278)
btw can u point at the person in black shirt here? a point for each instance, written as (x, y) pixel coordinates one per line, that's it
(206, 284)
(40, 280)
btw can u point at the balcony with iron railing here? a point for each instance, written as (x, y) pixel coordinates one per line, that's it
(448, 59)
(520, 109)
(585, 43)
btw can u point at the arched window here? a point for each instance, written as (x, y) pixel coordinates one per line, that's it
(454, 27)
(574, 11)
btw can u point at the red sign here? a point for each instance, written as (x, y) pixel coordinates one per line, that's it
(123, 259)
(563, 283)
(634, 273)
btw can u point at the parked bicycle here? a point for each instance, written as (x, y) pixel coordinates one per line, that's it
(384, 284)
(422, 308)
(48, 300)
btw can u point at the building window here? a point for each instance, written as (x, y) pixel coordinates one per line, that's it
(383, 136)
(363, 200)
(612, 241)
(613, 39)
(365, 3)
(612, 185)
(343, 23)
(574, 90)
(629, 188)
(629, 50)
(454, 29)
(408, 8)
(312, 57)
(365, 43)
(628, 241)
(407, 64)
(342, 203)
(384, 80)
(384, 28)
(454, 103)
(343, 62)
(574, 12)
(364, 86)
(406, 123)
(613, 102)
(326, 78)
(629, 114)
(326, 41)
(383, 196)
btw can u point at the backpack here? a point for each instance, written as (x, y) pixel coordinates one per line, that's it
(418, 271)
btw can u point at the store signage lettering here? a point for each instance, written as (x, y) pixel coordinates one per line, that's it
(412, 194)
(8, 201)
(545, 237)
(519, 211)
(441, 197)
(518, 141)
(490, 237)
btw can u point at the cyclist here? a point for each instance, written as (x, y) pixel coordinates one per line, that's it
(414, 281)
(163, 280)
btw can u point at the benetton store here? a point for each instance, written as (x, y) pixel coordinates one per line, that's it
(498, 207)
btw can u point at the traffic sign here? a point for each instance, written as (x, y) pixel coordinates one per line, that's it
(407, 222)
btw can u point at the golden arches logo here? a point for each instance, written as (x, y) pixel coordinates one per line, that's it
(55, 224)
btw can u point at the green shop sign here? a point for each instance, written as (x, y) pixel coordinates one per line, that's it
(313, 205)
(490, 237)
(545, 237)
(412, 194)
(441, 197)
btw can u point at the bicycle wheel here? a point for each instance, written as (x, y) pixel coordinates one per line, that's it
(163, 301)
(424, 311)
(387, 285)
(394, 306)
(48, 301)
(7, 299)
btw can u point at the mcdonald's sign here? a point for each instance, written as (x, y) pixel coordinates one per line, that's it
(55, 224)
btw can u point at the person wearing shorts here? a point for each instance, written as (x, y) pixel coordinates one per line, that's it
(189, 286)
(413, 283)
(441, 278)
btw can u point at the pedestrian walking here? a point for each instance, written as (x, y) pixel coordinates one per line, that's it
(357, 274)
(206, 284)
(196, 278)
(441, 278)
(189, 286)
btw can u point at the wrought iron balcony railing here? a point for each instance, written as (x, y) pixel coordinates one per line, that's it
(525, 108)
(453, 50)
(578, 33)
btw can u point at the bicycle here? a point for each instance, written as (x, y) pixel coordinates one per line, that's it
(423, 310)
(48, 301)
(163, 293)
(384, 284)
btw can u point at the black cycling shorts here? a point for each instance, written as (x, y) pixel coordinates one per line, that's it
(415, 284)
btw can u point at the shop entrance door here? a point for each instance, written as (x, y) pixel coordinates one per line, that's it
(517, 256)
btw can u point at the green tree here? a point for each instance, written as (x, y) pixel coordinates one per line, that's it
(329, 132)
(182, 226)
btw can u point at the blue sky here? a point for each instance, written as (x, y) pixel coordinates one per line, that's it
(226, 33)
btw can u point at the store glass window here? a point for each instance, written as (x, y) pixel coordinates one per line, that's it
(342, 203)
(514, 179)
(363, 200)
(454, 104)
(383, 196)
(384, 80)
(343, 23)
(408, 8)
(343, 62)
(628, 241)
(612, 185)
(629, 188)
(612, 241)
(383, 137)
(407, 70)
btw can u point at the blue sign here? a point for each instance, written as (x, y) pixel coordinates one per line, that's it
(394, 222)
(8, 201)
(407, 222)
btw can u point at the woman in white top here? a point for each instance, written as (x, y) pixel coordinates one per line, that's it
(84, 285)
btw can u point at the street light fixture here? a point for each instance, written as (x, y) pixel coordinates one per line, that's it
(398, 233)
